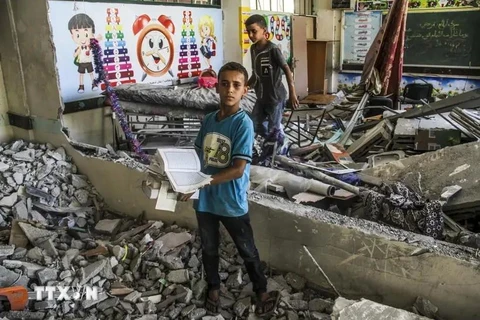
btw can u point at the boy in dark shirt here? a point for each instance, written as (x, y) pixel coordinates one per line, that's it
(268, 64)
(224, 145)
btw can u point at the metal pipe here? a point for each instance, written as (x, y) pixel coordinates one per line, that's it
(353, 120)
(319, 175)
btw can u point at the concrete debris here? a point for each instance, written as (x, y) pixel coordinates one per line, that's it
(365, 309)
(425, 308)
(39, 183)
(108, 154)
(108, 226)
(6, 250)
(136, 284)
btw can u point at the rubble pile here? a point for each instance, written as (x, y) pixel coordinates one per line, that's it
(39, 182)
(145, 271)
(53, 234)
(127, 158)
(409, 168)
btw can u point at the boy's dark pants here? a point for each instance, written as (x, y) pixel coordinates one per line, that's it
(241, 232)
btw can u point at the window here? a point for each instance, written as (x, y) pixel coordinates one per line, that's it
(273, 5)
(304, 7)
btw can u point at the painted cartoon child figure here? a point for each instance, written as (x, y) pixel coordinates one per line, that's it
(208, 44)
(82, 29)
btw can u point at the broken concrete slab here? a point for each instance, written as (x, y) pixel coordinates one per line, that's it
(9, 201)
(430, 173)
(108, 226)
(366, 309)
(36, 234)
(27, 155)
(91, 271)
(6, 250)
(10, 278)
(172, 240)
(345, 247)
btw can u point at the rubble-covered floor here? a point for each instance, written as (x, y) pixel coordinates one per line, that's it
(55, 230)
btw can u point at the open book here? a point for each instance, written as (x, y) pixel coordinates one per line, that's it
(182, 168)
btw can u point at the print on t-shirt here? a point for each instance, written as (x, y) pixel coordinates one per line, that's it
(217, 150)
(266, 66)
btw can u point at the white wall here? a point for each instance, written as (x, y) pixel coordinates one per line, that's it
(231, 29)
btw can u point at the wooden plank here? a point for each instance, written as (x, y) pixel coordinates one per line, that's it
(319, 99)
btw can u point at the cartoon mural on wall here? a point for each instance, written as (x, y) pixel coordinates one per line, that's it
(82, 29)
(206, 28)
(116, 57)
(443, 87)
(155, 48)
(279, 30)
(147, 43)
(189, 59)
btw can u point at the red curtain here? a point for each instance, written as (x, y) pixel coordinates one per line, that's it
(386, 53)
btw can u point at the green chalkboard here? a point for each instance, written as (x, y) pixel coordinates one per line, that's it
(450, 39)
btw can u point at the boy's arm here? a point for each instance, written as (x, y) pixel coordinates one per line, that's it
(252, 80)
(233, 172)
(292, 94)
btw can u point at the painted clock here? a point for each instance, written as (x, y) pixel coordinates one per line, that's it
(155, 47)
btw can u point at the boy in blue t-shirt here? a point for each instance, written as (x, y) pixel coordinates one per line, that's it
(224, 145)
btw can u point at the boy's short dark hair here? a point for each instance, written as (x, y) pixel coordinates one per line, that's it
(258, 19)
(81, 21)
(234, 66)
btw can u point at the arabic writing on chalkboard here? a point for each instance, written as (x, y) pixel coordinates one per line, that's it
(446, 34)
(446, 38)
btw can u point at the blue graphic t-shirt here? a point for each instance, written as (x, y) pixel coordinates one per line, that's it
(218, 143)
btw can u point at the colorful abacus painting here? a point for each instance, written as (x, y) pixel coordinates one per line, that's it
(279, 28)
(116, 60)
(189, 60)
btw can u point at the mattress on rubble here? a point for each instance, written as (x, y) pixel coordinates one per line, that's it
(173, 101)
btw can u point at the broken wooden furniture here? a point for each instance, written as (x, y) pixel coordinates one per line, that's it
(302, 125)
(169, 115)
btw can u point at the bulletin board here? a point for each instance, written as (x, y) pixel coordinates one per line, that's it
(359, 32)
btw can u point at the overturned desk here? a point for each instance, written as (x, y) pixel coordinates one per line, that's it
(303, 124)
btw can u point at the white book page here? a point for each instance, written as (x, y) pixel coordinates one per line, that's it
(167, 199)
(180, 159)
(187, 181)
